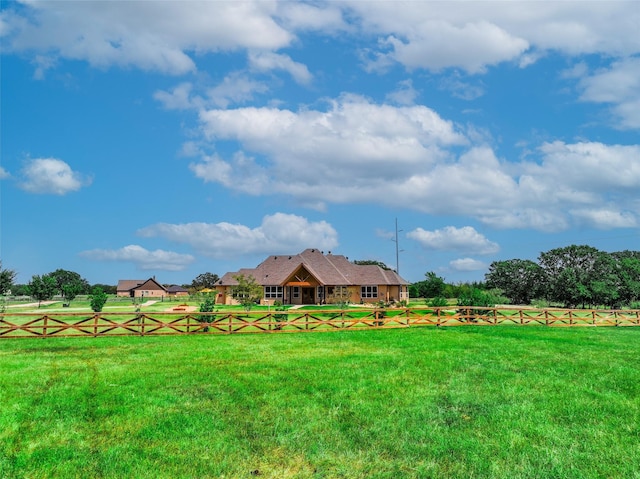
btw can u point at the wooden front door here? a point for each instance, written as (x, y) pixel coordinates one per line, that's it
(308, 296)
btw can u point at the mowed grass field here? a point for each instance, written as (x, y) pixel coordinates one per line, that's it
(468, 402)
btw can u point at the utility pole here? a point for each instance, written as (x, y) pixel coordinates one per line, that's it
(397, 249)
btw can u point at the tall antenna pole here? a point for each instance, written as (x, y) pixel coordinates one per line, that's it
(397, 249)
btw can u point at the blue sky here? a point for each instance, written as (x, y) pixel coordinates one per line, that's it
(175, 138)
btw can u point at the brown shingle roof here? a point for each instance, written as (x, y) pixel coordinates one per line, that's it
(174, 288)
(149, 284)
(327, 269)
(128, 284)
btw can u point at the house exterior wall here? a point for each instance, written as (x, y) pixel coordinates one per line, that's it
(149, 293)
(338, 294)
(389, 294)
(312, 277)
(221, 297)
(332, 295)
(134, 288)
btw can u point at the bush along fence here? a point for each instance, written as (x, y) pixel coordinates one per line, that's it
(20, 325)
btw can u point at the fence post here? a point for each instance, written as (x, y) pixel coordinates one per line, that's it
(44, 329)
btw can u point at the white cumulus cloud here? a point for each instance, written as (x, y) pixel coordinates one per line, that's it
(342, 153)
(170, 38)
(278, 233)
(467, 264)
(235, 88)
(357, 151)
(607, 217)
(151, 35)
(439, 35)
(473, 46)
(619, 86)
(405, 94)
(450, 238)
(179, 98)
(142, 258)
(51, 176)
(267, 61)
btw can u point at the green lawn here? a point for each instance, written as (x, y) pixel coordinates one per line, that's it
(472, 402)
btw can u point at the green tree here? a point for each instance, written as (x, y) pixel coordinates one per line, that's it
(107, 288)
(42, 288)
(605, 284)
(568, 273)
(20, 290)
(437, 302)
(520, 280)
(207, 306)
(204, 281)
(97, 298)
(70, 291)
(461, 289)
(628, 270)
(479, 298)
(64, 277)
(247, 292)
(6, 279)
(433, 286)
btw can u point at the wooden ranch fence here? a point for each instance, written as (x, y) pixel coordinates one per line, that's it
(21, 325)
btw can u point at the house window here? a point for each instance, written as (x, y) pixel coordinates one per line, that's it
(273, 292)
(296, 291)
(369, 292)
(337, 291)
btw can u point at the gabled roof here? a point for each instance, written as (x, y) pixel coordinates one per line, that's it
(174, 288)
(326, 269)
(128, 284)
(151, 283)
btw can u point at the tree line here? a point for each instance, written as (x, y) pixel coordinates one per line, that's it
(572, 276)
(68, 285)
(434, 286)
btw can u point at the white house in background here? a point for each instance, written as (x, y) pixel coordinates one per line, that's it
(141, 288)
